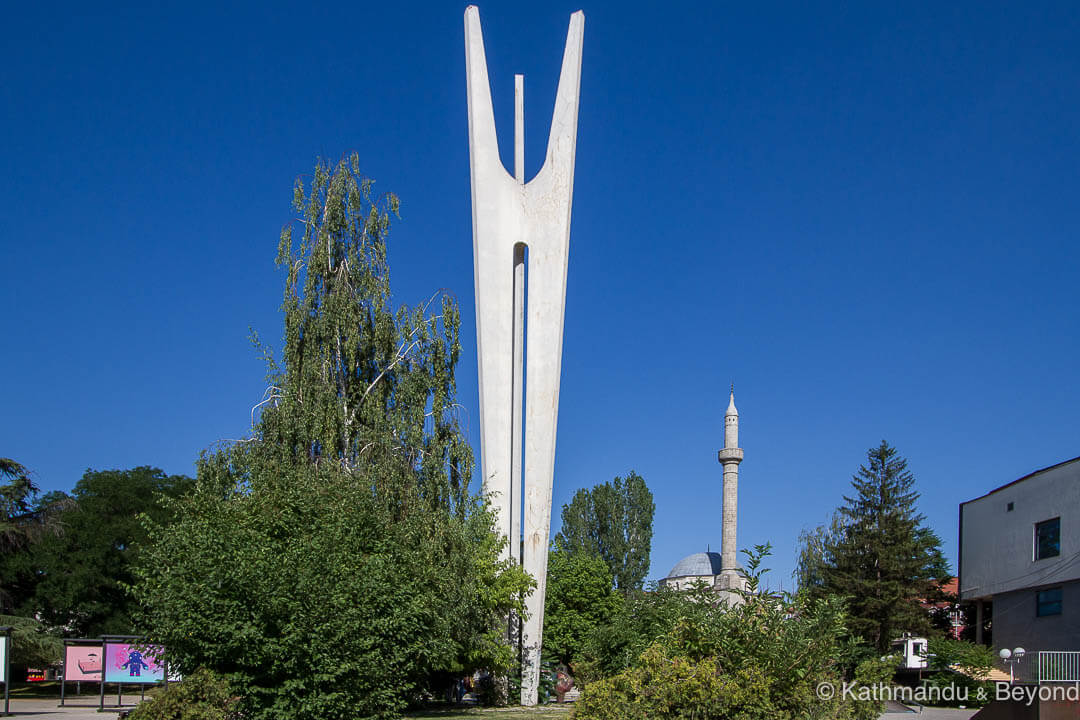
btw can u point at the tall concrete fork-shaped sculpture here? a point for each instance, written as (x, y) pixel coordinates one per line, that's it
(509, 217)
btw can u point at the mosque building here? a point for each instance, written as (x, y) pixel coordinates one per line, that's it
(697, 568)
(720, 570)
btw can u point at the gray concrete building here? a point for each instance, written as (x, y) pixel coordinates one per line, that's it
(1020, 560)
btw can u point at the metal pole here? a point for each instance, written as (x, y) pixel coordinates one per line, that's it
(101, 687)
(63, 674)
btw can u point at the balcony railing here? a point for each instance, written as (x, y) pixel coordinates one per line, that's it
(1059, 666)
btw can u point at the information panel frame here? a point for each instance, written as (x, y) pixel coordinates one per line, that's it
(79, 658)
(130, 654)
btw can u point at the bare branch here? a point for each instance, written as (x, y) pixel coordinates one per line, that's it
(444, 409)
(272, 394)
(388, 368)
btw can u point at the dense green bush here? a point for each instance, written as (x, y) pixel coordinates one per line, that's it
(764, 658)
(870, 673)
(200, 696)
(678, 686)
(634, 624)
(961, 665)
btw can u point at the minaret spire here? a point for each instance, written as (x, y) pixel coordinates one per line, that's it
(730, 457)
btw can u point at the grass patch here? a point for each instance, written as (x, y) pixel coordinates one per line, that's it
(45, 689)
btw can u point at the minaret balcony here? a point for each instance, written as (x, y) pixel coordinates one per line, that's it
(730, 455)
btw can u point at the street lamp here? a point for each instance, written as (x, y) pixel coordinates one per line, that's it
(1012, 657)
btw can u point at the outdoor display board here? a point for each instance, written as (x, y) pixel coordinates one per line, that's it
(83, 663)
(4, 641)
(130, 663)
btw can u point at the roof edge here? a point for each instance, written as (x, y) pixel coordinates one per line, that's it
(1021, 479)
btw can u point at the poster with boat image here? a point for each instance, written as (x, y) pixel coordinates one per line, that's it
(82, 663)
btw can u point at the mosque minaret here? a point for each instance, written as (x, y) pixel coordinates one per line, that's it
(730, 577)
(721, 570)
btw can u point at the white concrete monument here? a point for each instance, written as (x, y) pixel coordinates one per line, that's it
(515, 222)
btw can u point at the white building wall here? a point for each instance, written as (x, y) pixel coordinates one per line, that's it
(997, 544)
(687, 581)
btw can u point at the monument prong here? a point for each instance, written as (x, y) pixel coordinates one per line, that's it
(516, 329)
(519, 128)
(519, 342)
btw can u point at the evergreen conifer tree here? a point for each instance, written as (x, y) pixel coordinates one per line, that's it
(883, 559)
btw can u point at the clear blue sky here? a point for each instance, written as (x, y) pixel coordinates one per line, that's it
(865, 215)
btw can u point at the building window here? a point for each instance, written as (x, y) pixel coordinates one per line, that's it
(1048, 602)
(1048, 539)
(1009, 507)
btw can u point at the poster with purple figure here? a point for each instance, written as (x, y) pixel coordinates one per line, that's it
(126, 663)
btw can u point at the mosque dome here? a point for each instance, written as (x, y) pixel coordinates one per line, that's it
(696, 565)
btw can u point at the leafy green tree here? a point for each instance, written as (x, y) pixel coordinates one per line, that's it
(579, 600)
(614, 521)
(814, 553)
(75, 579)
(335, 564)
(883, 559)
